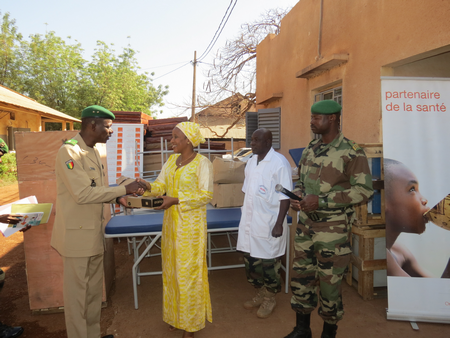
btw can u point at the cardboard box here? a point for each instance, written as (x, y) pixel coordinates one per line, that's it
(228, 171)
(228, 195)
(123, 180)
(144, 202)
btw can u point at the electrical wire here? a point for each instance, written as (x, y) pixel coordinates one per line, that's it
(156, 78)
(219, 30)
(172, 64)
(213, 41)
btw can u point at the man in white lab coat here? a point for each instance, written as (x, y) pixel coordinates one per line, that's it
(263, 226)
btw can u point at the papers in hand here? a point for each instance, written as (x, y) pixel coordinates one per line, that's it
(24, 206)
(26, 219)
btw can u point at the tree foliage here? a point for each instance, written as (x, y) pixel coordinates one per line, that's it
(234, 71)
(9, 42)
(51, 72)
(8, 169)
(114, 81)
(54, 73)
(234, 67)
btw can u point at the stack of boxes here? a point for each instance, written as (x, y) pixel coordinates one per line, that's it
(228, 179)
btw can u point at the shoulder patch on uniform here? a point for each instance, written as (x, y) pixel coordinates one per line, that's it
(70, 164)
(72, 142)
(354, 145)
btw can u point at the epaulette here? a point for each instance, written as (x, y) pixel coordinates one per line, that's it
(72, 142)
(354, 145)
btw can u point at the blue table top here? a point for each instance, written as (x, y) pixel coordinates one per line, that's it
(152, 222)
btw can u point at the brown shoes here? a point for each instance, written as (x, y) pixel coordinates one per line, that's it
(264, 300)
(267, 306)
(257, 300)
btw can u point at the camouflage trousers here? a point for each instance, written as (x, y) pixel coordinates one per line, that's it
(263, 272)
(321, 256)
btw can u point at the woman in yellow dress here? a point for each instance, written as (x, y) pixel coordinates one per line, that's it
(186, 179)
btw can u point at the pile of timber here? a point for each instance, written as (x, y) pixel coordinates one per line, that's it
(155, 129)
(131, 117)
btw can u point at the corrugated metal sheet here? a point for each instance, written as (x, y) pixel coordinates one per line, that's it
(270, 119)
(251, 124)
(11, 97)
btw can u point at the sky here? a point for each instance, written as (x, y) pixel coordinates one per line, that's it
(165, 33)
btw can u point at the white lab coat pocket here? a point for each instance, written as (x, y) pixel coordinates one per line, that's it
(262, 224)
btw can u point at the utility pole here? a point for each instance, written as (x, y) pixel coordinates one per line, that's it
(193, 89)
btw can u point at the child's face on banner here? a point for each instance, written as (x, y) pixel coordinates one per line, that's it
(405, 205)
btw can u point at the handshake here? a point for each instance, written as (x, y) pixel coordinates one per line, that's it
(136, 187)
(133, 187)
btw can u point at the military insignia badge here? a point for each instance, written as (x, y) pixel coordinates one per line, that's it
(354, 145)
(70, 164)
(72, 142)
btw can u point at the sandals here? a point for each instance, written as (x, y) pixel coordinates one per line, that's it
(185, 333)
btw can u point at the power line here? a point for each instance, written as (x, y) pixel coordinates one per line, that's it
(172, 64)
(205, 63)
(185, 64)
(156, 78)
(219, 30)
(216, 36)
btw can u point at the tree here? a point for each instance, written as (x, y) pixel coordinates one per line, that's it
(234, 68)
(228, 112)
(54, 73)
(115, 82)
(9, 40)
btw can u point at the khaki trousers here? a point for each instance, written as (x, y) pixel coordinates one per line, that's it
(83, 289)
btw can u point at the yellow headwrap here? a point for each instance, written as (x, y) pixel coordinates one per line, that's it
(192, 132)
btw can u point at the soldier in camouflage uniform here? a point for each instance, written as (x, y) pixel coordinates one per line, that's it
(334, 175)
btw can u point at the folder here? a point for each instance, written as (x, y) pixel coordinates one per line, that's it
(46, 208)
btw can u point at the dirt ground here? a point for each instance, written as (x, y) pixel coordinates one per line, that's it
(9, 193)
(229, 289)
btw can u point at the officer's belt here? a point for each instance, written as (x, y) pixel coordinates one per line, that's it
(316, 216)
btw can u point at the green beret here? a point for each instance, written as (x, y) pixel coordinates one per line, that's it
(326, 107)
(97, 111)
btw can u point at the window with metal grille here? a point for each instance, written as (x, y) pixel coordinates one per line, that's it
(330, 94)
(251, 124)
(270, 119)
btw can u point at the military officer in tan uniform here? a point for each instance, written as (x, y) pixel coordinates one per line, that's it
(78, 228)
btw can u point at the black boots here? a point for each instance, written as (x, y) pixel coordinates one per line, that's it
(329, 330)
(302, 330)
(9, 331)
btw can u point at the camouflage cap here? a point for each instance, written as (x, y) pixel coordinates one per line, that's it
(326, 107)
(97, 111)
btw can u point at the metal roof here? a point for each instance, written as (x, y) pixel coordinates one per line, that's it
(11, 100)
(235, 132)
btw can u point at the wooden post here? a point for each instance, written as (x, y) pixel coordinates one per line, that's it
(193, 89)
